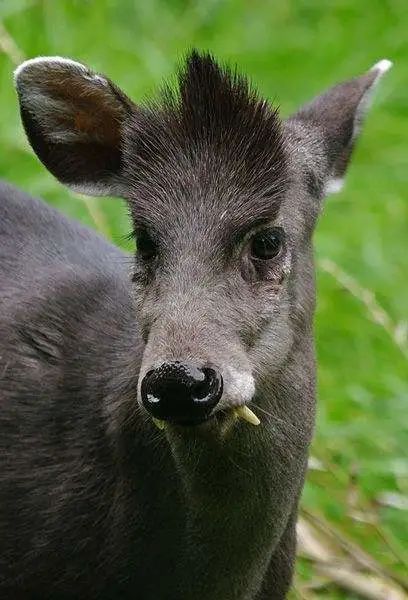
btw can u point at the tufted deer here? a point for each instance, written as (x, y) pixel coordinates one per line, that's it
(208, 336)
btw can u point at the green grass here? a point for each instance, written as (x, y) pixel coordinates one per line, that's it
(292, 50)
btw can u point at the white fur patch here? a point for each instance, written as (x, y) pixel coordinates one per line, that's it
(27, 64)
(334, 186)
(98, 189)
(239, 385)
(47, 59)
(382, 66)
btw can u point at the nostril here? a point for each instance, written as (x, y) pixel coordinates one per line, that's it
(200, 391)
(207, 389)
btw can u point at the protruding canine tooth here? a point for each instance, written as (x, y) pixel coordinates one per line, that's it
(245, 413)
(159, 423)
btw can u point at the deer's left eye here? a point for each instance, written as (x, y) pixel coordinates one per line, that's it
(267, 243)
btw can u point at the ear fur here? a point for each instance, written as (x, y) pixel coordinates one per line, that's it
(74, 119)
(330, 124)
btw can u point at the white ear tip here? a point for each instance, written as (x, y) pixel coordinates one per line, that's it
(47, 59)
(382, 66)
(22, 67)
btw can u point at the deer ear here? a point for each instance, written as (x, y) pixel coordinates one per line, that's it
(74, 121)
(330, 124)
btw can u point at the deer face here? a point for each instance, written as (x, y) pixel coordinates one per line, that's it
(224, 197)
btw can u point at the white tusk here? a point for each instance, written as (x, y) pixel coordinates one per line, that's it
(245, 413)
(159, 423)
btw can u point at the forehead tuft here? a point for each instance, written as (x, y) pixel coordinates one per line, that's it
(215, 104)
(212, 127)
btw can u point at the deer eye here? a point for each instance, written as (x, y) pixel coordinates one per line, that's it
(145, 245)
(267, 243)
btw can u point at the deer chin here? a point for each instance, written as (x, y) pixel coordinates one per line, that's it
(226, 422)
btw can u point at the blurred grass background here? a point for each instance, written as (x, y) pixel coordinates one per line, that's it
(357, 485)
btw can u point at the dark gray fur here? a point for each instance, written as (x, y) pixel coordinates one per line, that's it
(95, 502)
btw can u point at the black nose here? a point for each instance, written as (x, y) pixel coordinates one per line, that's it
(181, 392)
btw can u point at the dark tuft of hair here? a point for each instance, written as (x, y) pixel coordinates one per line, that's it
(213, 117)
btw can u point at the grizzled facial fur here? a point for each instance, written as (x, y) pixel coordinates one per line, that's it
(223, 196)
(207, 172)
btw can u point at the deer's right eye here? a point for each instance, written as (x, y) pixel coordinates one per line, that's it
(145, 245)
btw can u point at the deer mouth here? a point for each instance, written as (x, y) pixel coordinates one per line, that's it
(242, 412)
